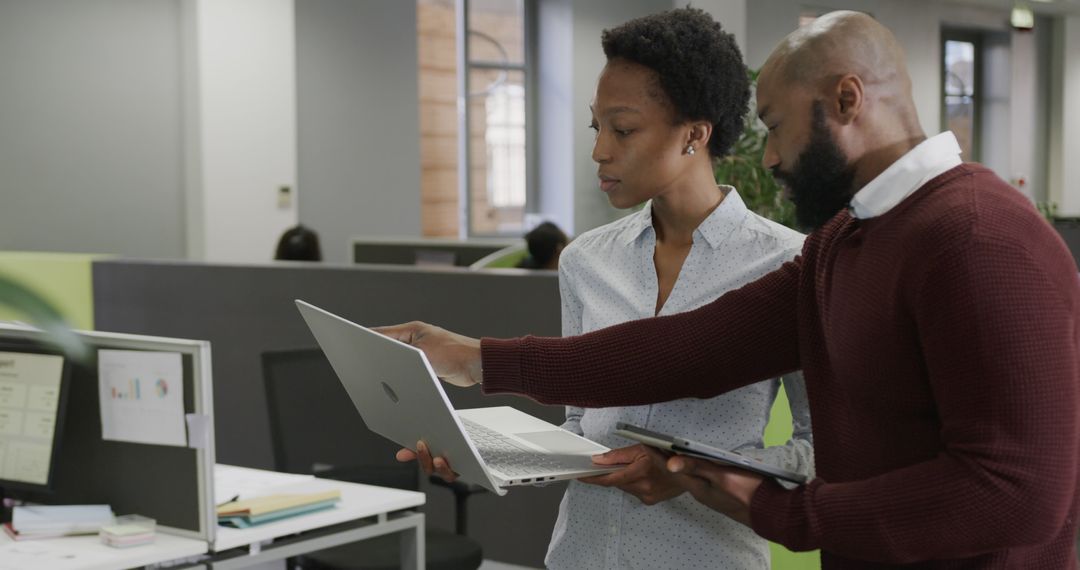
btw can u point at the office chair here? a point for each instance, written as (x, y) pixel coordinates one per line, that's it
(315, 429)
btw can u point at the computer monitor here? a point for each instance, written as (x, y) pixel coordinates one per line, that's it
(34, 382)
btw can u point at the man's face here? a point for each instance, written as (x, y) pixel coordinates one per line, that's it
(803, 154)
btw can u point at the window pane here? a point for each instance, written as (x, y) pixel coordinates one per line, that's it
(960, 94)
(437, 67)
(960, 119)
(497, 151)
(959, 68)
(497, 31)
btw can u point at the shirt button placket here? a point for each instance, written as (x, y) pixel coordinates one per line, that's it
(614, 517)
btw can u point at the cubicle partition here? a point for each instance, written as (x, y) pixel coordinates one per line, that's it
(63, 279)
(172, 484)
(425, 251)
(1069, 229)
(247, 310)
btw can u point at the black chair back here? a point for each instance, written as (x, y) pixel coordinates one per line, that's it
(315, 428)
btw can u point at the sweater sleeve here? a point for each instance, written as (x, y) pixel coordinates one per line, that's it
(997, 327)
(745, 336)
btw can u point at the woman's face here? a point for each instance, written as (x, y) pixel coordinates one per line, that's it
(640, 151)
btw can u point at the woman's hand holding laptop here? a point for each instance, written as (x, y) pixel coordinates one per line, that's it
(430, 465)
(455, 357)
(645, 476)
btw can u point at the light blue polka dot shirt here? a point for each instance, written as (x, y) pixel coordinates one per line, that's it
(607, 276)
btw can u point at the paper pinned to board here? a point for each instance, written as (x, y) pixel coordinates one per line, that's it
(142, 397)
(198, 430)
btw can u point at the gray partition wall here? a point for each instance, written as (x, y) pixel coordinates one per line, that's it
(425, 251)
(247, 310)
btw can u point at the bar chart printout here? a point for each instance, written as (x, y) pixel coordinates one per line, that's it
(141, 396)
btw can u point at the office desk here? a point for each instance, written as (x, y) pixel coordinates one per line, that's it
(88, 553)
(363, 512)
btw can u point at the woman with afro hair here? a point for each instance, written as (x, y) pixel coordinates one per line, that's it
(671, 100)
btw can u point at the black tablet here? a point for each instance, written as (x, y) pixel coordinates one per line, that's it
(691, 448)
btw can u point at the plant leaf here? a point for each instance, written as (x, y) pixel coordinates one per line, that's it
(43, 315)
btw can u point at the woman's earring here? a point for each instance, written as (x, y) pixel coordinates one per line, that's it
(690, 149)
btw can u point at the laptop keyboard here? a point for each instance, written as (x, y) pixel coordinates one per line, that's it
(504, 454)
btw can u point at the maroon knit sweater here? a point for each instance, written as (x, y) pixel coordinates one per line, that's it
(939, 344)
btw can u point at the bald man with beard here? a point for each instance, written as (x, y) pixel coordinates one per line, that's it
(933, 312)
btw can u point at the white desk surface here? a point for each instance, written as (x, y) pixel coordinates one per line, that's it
(357, 502)
(88, 553)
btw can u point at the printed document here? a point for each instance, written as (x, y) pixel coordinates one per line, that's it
(142, 396)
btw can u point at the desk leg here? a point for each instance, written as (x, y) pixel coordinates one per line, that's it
(412, 546)
(409, 524)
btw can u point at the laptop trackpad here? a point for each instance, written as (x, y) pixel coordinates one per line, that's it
(561, 442)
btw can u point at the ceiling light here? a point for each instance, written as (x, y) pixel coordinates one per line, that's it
(1021, 18)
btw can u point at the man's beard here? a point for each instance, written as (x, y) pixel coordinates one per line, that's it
(821, 181)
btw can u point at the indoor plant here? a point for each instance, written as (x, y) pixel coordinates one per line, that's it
(42, 314)
(742, 168)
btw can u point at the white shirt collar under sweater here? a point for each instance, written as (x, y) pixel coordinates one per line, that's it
(921, 164)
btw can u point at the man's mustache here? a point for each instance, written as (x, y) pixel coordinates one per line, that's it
(780, 175)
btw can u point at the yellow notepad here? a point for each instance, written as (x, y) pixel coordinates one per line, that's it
(271, 503)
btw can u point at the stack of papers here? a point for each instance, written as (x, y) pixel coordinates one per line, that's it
(51, 521)
(234, 483)
(126, 535)
(250, 512)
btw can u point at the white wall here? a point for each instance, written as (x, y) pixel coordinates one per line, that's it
(91, 127)
(152, 129)
(242, 128)
(1070, 117)
(732, 15)
(555, 108)
(359, 139)
(591, 208)
(996, 119)
(1017, 126)
(916, 24)
(1065, 118)
(1025, 84)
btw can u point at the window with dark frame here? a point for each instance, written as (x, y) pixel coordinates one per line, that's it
(960, 96)
(494, 129)
(475, 52)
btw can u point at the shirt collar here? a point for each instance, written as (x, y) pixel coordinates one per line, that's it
(927, 160)
(714, 229)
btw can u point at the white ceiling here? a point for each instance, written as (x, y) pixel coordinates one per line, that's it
(1037, 6)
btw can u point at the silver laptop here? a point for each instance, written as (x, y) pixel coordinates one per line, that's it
(397, 393)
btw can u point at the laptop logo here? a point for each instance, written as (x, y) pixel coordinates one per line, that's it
(389, 392)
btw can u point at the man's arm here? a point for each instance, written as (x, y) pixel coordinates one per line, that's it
(1006, 391)
(745, 336)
